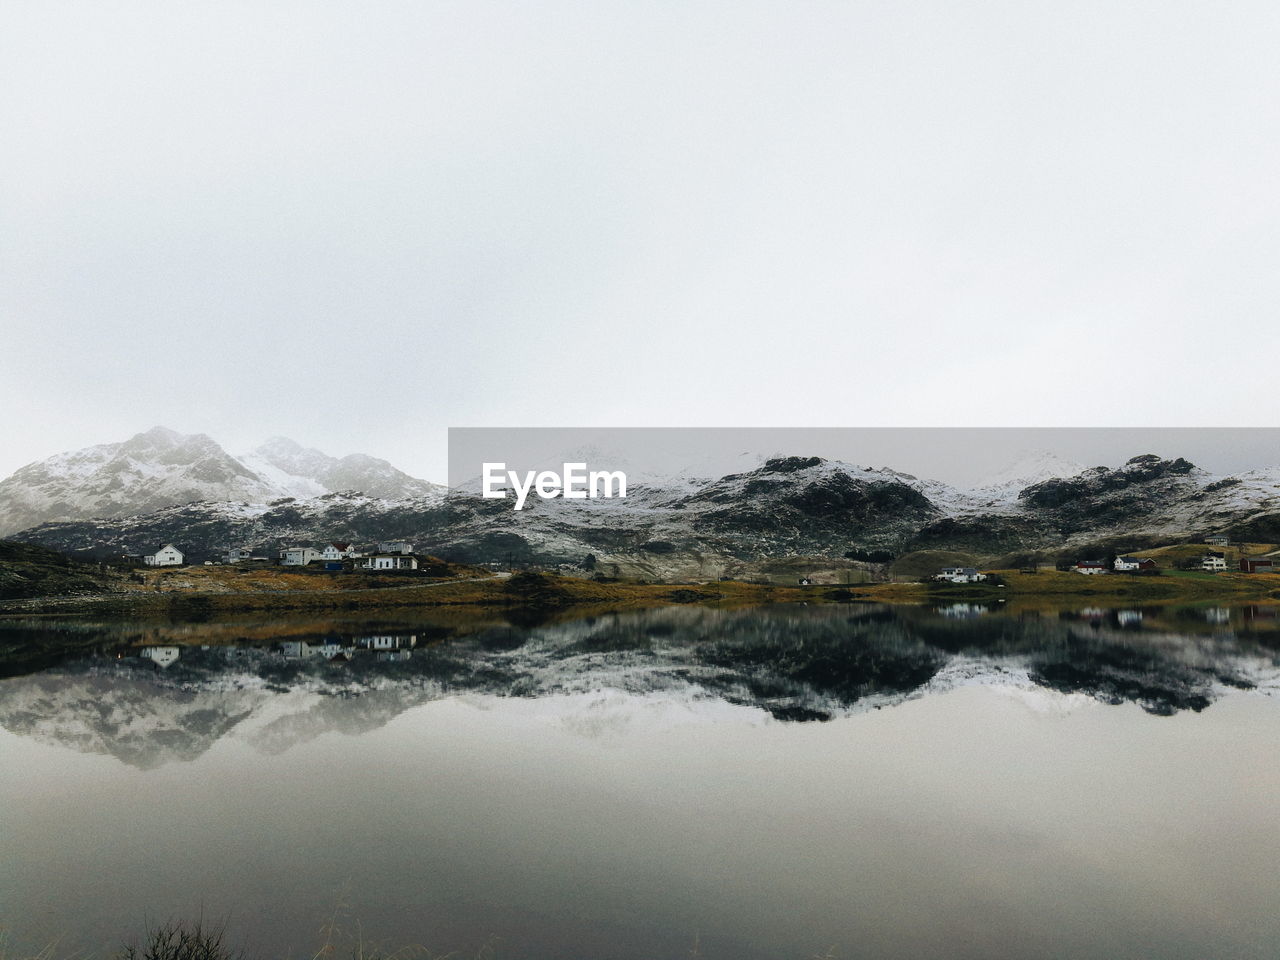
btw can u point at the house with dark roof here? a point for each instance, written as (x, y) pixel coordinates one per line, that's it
(337, 550)
(1133, 563)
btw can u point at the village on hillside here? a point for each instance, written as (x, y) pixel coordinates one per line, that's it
(1215, 554)
(333, 556)
(1209, 560)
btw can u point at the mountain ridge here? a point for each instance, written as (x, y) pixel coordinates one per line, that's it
(161, 468)
(791, 506)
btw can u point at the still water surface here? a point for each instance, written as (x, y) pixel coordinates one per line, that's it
(770, 783)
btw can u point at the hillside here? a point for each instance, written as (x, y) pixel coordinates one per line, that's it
(775, 519)
(28, 570)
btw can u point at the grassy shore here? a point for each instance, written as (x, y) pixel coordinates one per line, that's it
(1054, 588)
(196, 593)
(201, 592)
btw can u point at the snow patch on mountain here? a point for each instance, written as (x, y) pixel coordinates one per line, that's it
(1030, 467)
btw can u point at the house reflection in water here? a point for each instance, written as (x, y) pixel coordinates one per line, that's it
(160, 656)
(338, 648)
(325, 650)
(387, 642)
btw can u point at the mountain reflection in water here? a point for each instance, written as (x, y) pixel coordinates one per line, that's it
(151, 703)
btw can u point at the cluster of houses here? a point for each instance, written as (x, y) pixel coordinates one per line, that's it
(386, 555)
(1213, 560)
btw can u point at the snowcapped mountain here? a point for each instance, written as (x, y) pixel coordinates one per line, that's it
(162, 487)
(144, 473)
(307, 472)
(162, 468)
(1030, 468)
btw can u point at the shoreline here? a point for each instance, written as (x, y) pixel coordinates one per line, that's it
(552, 592)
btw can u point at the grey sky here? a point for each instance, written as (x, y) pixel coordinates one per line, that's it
(358, 224)
(962, 456)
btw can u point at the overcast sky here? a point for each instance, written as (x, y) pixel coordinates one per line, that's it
(358, 224)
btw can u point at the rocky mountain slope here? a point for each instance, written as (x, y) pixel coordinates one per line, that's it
(161, 468)
(161, 487)
(803, 507)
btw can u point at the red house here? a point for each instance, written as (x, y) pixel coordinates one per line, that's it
(1257, 565)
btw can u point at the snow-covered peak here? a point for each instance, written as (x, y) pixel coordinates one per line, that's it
(1030, 467)
(307, 472)
(148, 471)
(160, 468)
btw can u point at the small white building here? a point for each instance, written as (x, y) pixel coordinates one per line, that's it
(298, 556)
(395, 546)
(337, 551)
(1134, 563)
(1213, 563)
(1218, 540)
(237, 554)
(166, 556)
(960, 575)
(390, 561)
(1090, 567)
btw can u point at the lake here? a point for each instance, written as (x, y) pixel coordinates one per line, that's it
(835, 781)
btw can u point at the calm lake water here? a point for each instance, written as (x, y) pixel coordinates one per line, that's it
(843, 781)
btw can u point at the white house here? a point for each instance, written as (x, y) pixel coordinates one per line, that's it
(960, 575)
(337, 551)
(395, 546)
(1090, 567)
(1134, 563)
(390, 561)
(1218, 540)
(1214, 563)
(166, 556)
(298, 556)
